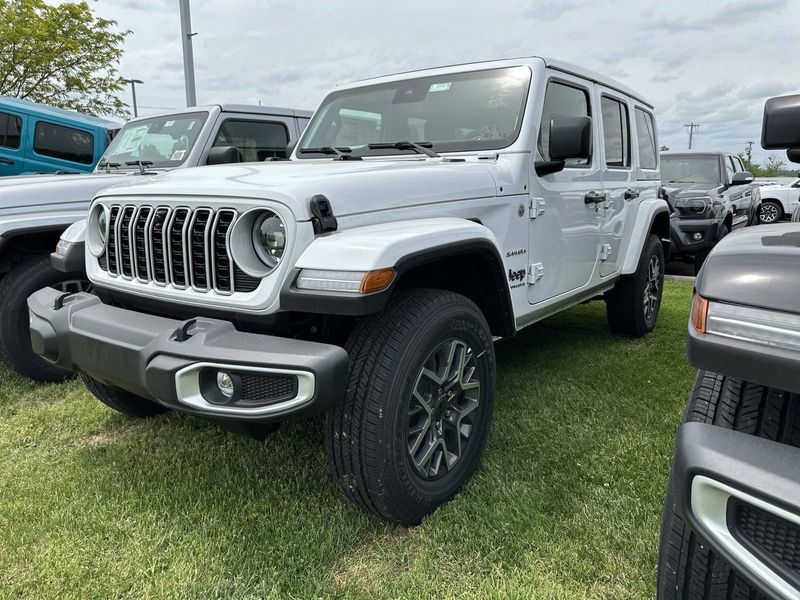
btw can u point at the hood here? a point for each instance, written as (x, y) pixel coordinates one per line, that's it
(689, 190)
(756, 266)
(352, 187)
(36, 193)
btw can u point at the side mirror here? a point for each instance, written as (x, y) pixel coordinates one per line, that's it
(781, 125)
(793, 154)
(742, 178)
(223, 155)
(570, 137)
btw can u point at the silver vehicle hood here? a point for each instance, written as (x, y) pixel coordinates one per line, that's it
(352, 187)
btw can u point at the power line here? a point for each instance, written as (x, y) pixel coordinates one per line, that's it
(691, 127)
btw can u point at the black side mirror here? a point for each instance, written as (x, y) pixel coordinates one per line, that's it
(742, 178)
(781, 125)
(570, 137)
(793, 154)
(223, 155)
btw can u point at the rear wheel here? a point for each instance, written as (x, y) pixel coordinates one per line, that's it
(121, 400)
(633, 304)
(413, 424)
(31, 275)
(687, 568)
(770, 212)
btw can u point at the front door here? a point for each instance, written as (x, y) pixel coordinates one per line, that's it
(566, 207)
(11, 150)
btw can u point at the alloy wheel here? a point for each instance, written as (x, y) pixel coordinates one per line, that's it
(441, 413)
(652, 288)
(768, 213)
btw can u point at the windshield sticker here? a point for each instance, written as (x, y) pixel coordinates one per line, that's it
(440, 87)
(191, 125)
(169, 123)
(178, 155)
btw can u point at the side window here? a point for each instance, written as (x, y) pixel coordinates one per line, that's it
(645, 139)
(256, 140)
(729, 168)
(562, 100)
(10, 128)
(737, 164)
(66, 143)
(616, 132)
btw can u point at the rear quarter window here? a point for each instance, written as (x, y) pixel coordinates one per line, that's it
(65, 143)
(646, 139)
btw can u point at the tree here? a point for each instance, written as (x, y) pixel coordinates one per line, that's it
(664, 149)
(773, 166)
(61, 55)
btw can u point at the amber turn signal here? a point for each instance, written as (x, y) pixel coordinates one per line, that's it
(699, 313)
(375, 281)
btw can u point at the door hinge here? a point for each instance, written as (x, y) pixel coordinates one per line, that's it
(535, 273)
(537, 207)
(605, 251)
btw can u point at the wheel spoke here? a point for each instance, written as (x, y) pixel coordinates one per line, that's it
(419, 432)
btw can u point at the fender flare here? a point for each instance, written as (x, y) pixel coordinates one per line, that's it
(403, 245)
(647, 213)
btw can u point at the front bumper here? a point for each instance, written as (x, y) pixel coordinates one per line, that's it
(741, 496)
(175, 362)
(682, 230)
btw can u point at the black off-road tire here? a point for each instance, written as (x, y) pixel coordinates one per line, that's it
(625, 303)
(121, 400)
(687, 568)
(367, 434)
(27, 277)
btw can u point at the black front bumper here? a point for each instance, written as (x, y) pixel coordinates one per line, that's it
(741, 496)
(167, 360)
(682, 230)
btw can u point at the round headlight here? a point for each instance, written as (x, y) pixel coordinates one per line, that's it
(97, 230)
(102, 225)
(269, 238)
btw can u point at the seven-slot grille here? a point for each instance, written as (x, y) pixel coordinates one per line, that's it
(180, 246)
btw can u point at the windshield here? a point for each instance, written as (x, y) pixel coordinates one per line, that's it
(480, 110)
(690, 169)
(165, 141)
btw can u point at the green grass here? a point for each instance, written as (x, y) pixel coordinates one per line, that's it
(566, 503)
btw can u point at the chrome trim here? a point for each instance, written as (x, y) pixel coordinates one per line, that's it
(188, 250)
(709, 500)
(171, 269)
(212, 243)
(187, 389)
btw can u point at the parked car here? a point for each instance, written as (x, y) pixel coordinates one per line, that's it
(731, 523)
(35, 211)
(36, 138)
(710, 194)
(422, 216)
(778, 201)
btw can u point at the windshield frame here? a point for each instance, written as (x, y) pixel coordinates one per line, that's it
(201, 115)
(467, 146)
(684, 157)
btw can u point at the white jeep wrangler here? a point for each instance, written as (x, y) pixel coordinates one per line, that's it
(421, 217)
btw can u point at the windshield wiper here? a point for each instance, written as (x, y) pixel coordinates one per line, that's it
(341, 153)
(142, 164)
(108, 165)
(418, 147)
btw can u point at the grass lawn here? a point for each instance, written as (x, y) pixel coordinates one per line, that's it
(566, 502)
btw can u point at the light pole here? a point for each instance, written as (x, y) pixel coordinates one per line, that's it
(188, 53)
(133, 83)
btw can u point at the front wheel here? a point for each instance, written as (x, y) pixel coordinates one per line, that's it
(413, 424)
(633, 304)
(31, 275)
(770, 212)
(121, 400)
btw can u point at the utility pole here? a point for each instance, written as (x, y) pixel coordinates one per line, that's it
(188, 54)
(133, 83)
(691, 127)
(749, 152)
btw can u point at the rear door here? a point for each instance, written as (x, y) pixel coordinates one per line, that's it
(619, 179)
(564, 229)
(12, 153)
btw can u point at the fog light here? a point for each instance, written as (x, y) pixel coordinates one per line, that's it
(225, 384)
(697, 236)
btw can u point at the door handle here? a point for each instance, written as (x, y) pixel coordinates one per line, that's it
(631, 194)
(594, 198)
(6, 161)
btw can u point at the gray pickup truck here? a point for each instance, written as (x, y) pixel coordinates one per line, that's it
(36, 209)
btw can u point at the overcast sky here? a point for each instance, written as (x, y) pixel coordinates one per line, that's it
(711, 62)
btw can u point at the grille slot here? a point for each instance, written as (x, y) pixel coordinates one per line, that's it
(261, 389)
(181, 247)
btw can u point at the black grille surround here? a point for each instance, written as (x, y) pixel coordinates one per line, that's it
(772, 539)
(174, 246)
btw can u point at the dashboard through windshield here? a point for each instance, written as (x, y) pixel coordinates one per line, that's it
(455, 112)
